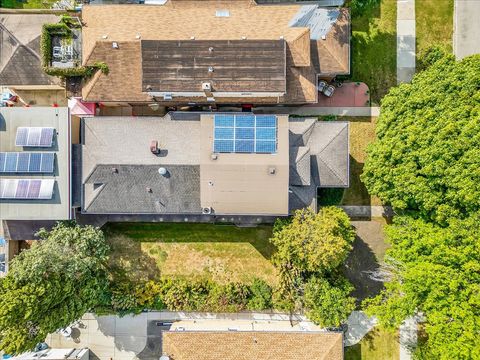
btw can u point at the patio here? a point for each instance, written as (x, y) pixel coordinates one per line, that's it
(351, 94)
(66, 51)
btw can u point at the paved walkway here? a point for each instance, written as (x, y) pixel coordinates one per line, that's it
(405, 40)
(359, 324)
(321, 110)
(466, 32)
(368, 211)
(408, 337)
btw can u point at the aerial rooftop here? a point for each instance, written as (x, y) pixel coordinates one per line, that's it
(212, 41)
(230, 163)
(34, 163)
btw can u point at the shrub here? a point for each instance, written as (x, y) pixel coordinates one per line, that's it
(260, 295)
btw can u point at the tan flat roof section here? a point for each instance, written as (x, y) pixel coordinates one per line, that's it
(243, 345)
(242, 183)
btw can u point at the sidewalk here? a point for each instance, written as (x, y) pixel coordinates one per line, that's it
(466, 31)
(368, 211)
(408, 337)
(405, 40)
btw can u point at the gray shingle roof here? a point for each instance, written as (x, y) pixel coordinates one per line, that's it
(319, 157)
(20, 49)
(141, 189)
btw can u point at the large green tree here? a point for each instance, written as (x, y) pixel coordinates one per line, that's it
(437, 273)
(427, 156)
(310, 249)
(51, 285)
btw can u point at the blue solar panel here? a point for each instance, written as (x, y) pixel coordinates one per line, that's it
(47, 162)
(35, 161)
(244, 146)
(266, 134)
(245, 121)
(224, 120)
(2, 161)
(224, 133)
(22, 136)
(23, 159)
(11, 162)
(245, 133)
(225, 146)
(265, 146)
(266, 121)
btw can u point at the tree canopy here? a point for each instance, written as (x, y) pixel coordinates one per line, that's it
(310, 249)
(51, 285)
(427, 156)
(437, 272)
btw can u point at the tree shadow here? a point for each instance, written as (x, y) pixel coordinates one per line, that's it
(360, 267)
(356, 193)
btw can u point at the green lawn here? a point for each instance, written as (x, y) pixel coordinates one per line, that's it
(221, 253)
(27, 4)
(374, 48)
(434, 23)
(378, 344)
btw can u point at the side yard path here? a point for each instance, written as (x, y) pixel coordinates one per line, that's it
(466, 29)
(408, 337)
(323, 110)
(405, 40)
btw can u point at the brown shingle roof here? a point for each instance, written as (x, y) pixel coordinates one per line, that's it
(181, 20)
(252, 345)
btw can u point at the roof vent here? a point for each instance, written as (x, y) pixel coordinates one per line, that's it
(324, 37)
(206, 210)
(114, 170)
(167, 96)
(282, 37)
(210, 69)
(104, 36)
(115, 45)
(138, 36)
(244, 38)
(210, 49)
(214, 156)
(148, 87)
(222, 13)
(162, 171)
(149, 189)
(272, 171)
(206, 86)
(192, 37)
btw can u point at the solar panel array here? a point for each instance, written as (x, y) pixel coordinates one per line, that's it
(245, 133)
(26, 189)
(26, 162)
(34, 136)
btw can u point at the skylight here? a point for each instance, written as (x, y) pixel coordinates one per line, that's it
(222, 13)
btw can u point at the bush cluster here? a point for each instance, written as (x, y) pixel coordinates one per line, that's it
(178, 294)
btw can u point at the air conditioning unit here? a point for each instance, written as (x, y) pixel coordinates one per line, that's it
(207, 210)
(206, 86)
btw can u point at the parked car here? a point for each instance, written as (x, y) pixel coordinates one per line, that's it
(329, 90)
(322, 85)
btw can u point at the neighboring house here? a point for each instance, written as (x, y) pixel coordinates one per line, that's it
(210, 52)
(248, 345)
(20, 64)
(211, 164)
(34, 163)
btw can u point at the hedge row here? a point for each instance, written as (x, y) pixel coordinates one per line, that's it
(190, 295)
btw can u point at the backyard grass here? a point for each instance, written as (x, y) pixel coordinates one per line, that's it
(434, 23)
(362, 133)
(378, 344)
(374, 48)
(222, 253)
(27, 4)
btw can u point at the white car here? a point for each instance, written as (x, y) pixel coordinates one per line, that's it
(329, 90)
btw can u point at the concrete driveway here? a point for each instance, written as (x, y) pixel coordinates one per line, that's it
(466, 31)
